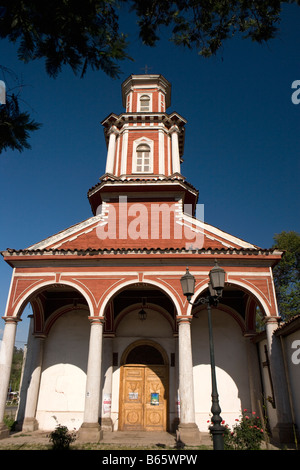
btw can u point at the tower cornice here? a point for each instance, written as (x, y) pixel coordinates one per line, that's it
(156, 186)
(167, 119)
(166, 122)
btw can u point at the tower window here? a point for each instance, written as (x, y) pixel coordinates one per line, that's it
(144, 103)
(143, 159)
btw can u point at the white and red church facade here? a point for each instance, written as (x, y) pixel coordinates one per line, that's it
(113, 342)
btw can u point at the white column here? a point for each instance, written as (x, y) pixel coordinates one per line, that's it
(188, 431)
(283, 431)
(90, 429)
(110, 161)
(25, 379)
(175, 150)
(161, 152)
(6, 356)
(30, 423)
(124, 153)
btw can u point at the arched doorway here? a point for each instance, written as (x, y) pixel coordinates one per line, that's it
(144, 388)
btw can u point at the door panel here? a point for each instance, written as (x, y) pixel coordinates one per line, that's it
(155, 398)
(133, 398)
(144, 398)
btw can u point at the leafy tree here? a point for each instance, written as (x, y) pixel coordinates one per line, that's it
(80, 34)
(206, 24)
(16, 369)
(15, 125)
(287, 274)
(86, 34)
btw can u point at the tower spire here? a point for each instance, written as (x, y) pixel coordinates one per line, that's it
(144, 143)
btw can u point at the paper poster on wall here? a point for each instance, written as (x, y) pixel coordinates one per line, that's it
(106, 402)
(154, 398)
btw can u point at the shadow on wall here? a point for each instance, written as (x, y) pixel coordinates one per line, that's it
(63, 377)
(231, 364)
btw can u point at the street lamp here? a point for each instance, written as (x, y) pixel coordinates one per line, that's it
(215, 286)
(142, 313)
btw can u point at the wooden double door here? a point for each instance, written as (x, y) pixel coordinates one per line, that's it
(143, 398)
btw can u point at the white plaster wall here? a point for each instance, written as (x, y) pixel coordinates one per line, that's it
(131, 329)
(231, 368)
(63, 379)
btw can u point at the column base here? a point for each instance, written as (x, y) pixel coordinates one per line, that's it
(4, 431)
(106, 424)
(30, 424)
(188, 434)
(90, 432)
(283, 433)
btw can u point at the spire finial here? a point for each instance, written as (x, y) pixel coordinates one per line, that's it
(146, 69)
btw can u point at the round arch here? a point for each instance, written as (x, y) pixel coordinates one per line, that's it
(143, 385)
(141, 343)
(137, 306)
(43, 286)
(240, 284)
(130, 283)
(228, 310)
(58, 313)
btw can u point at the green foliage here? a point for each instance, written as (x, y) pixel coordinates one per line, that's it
(79, 34)
(205, 25)
(15, 126)
(61, 438)
(246, 434)
(9, 422)
(86, 34)
(259, 320)
(287, 274)
(16, 369)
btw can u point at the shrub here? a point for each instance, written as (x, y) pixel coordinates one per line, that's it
(246, 434)
(61, 438)
(9, 422)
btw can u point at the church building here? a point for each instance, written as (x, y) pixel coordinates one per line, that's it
(114, 344)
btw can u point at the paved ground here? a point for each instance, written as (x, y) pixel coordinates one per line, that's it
(114, 440)
(111, 440)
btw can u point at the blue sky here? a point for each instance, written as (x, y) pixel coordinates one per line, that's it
(242, 141)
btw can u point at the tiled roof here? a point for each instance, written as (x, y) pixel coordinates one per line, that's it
(157, 250)
(289, 326)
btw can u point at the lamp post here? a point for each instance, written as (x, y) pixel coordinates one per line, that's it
(216, 285)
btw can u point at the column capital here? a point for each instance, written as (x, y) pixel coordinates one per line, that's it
(271, 319)
(94, 320)
(11, 319)
(184, 319)
(113, 130)
(40, 335)
(174, 128)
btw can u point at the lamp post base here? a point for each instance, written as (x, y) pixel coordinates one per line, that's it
(217, 433)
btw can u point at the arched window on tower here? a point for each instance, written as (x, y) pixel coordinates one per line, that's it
(143, 159)
(145, 103)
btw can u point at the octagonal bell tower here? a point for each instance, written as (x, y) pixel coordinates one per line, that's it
(144, 143)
